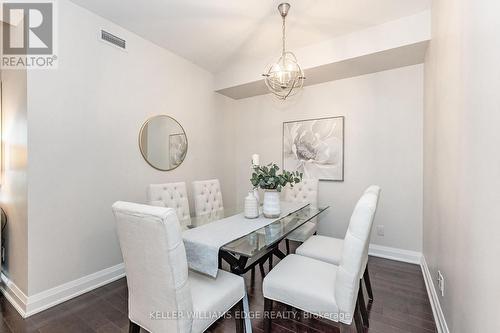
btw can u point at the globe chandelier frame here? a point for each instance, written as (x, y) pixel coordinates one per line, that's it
(284, 77)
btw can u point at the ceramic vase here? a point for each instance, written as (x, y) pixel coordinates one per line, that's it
(271, 208)
(251, 206)
(256, 194)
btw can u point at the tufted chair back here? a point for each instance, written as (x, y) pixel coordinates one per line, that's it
(208, 197)
(305, 191)
(171, 195)
(355, 243)
(155, 265)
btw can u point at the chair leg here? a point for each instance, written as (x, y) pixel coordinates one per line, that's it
(133, 327)
(239, 317)
(357, 320)
(268, 307)
(270, 263)
(287, 246)
(362, 307)
(366, 277)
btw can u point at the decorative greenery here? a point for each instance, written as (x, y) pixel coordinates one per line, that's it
(267, 177)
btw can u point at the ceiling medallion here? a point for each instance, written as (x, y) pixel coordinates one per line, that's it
(284, 77)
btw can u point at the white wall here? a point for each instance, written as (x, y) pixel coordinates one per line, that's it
(84, 121)
(462, 163)
(383, 145)
(13, 189)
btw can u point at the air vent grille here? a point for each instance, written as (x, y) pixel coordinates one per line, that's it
(110, 38)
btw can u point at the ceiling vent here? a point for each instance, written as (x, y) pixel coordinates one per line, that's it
(115, 40)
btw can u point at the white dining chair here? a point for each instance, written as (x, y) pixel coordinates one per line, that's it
(330, 249)
(163, 296)
(304, 192)
(171, 195)
(321, 288)
(208, 198)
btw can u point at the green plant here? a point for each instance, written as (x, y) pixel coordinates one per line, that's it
(267, 177)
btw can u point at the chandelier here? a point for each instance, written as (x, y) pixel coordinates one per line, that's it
(284, 77)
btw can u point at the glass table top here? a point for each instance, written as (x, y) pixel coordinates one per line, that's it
(261, 239)
(198, 221)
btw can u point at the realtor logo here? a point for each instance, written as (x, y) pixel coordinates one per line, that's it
(28, 39)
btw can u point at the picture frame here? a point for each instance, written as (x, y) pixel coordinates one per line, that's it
(315, 147)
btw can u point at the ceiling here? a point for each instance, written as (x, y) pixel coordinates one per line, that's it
(213, 33)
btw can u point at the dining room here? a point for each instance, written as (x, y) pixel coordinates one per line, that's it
(269, 166)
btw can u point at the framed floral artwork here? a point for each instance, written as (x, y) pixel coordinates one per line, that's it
(315, 147)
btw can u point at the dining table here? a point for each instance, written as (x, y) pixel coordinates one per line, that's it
(243, 243)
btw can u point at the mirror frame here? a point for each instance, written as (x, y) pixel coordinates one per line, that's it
(140, 136)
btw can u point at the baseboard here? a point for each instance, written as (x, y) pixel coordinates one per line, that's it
(14, 295)
(437, 311)
(392, 253)
(30, 305)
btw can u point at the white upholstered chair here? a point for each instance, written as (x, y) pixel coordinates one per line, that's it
(171, 195)
(304, 192)
(330, 250)
(208, 198)
(163, 296)
(330, 291)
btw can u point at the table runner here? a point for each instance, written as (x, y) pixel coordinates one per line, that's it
(203, 243)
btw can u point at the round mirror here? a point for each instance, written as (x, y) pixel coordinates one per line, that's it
(163, 142)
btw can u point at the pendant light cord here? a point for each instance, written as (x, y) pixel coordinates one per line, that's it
(284, 36)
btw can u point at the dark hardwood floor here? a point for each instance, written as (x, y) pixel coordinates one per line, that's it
(401, 305)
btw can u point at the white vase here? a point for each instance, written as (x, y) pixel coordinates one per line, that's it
(271, 206)
(257, 196)
(251, 206)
